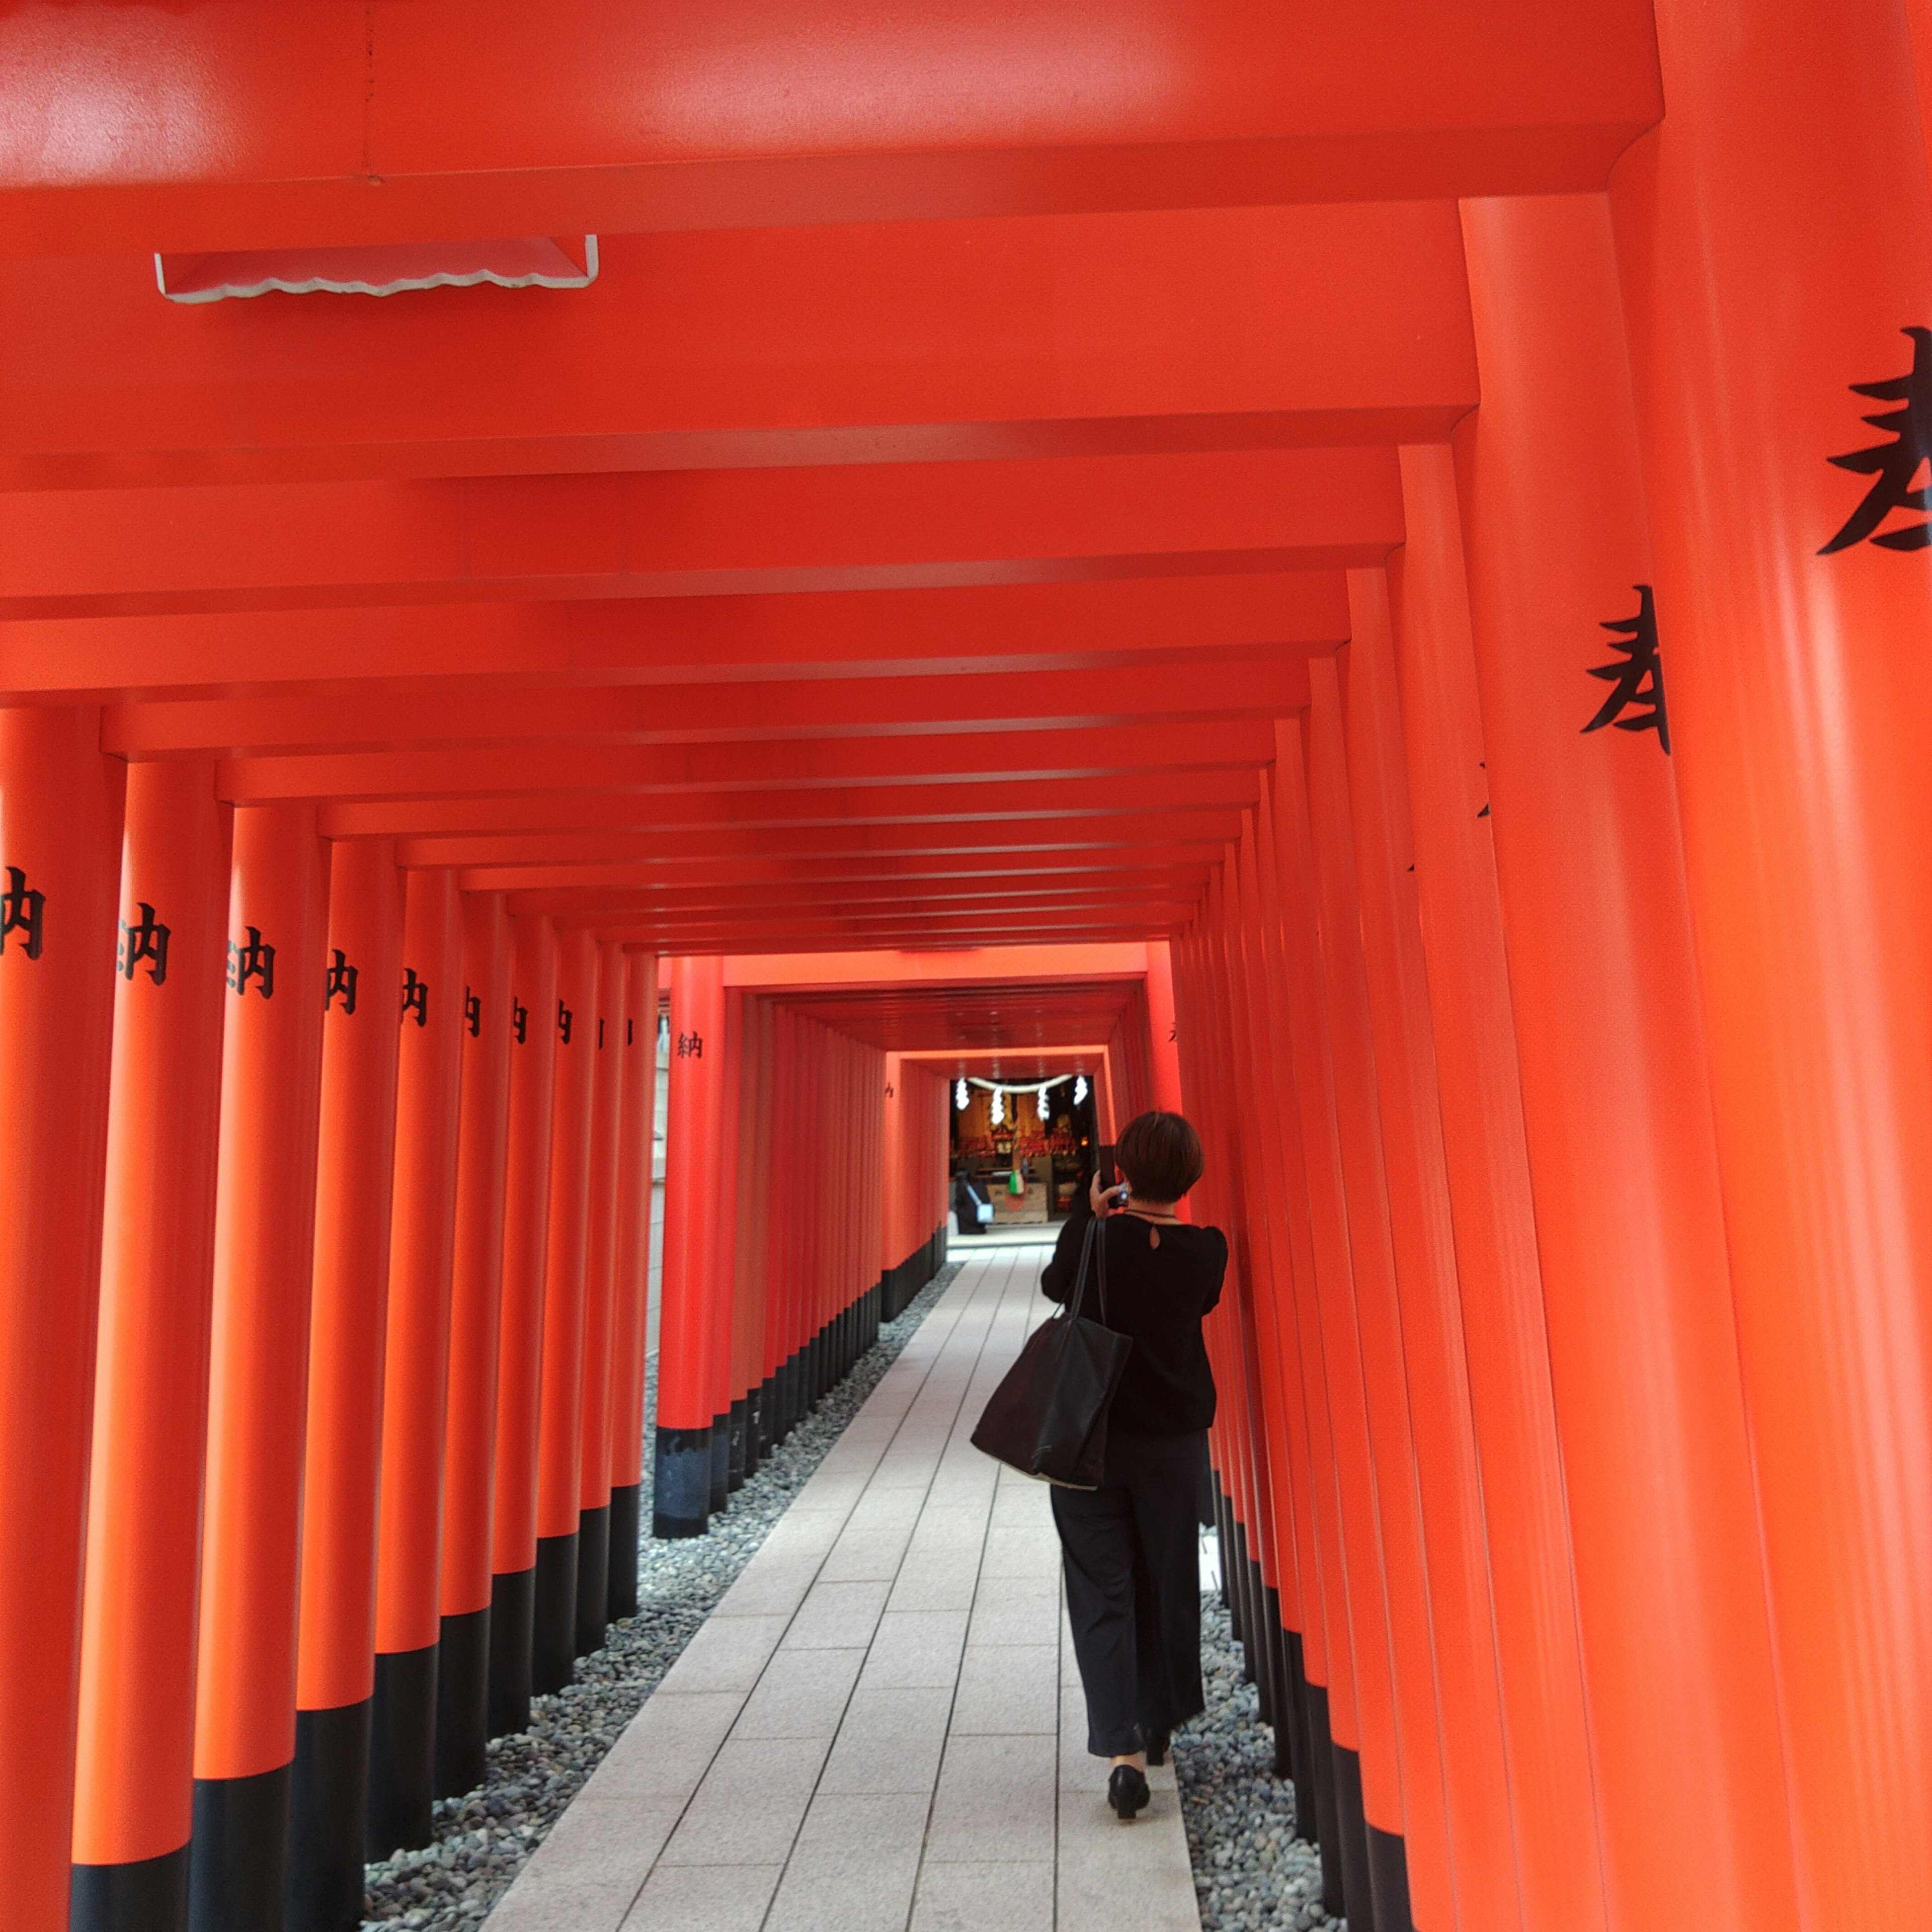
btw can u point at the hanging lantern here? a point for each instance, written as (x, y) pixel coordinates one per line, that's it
(960, 1096)
(1079, 1088)
(999, 1105)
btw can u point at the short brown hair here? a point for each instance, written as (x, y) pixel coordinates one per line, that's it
(1160, 1156)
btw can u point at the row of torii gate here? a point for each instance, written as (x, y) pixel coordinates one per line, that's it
(1382, 547)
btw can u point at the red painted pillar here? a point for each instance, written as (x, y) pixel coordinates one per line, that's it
(60, 837)
(513, 1544)
(1668, 1568)
(682, 1497)
(593, 1521)
(1294, 1105)
(735, 1211)
(1774, 238)
(1366, 1762)
(409, 1612)
(1462, 1618)
(264, 1242)
(134, 1777)
(631, 1287)
(1634, 1251)
(463, 1662)
(559, 1438)
(355, 1141)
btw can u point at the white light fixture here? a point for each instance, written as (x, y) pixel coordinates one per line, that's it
(999, 1104)
(1079, 1088)
(960, 1096)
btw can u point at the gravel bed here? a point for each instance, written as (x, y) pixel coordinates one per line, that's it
(482, 1839)
(1251, 1873)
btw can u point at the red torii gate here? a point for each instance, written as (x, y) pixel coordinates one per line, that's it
(1050, 476)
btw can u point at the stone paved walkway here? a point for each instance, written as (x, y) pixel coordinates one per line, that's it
(879, 1728)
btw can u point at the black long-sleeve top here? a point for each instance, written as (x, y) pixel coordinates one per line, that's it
(1158, 1295)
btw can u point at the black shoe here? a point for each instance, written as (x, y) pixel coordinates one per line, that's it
(1127, 1792)
(1157, 1742)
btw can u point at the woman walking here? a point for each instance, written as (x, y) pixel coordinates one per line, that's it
(1131, 1548)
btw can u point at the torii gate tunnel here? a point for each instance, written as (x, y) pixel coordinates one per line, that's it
(1361, 570)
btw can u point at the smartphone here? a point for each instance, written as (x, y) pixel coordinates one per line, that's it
(1104, 1158)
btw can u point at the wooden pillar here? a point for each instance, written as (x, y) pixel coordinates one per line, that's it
(1774, 239)
(559, 1442)
(264, 1237)
(402, 1778)
(355, 1143)
(463, 1664)
(134, 1781)
(513, 1544)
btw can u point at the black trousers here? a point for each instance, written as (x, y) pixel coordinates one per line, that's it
(1132, 1553)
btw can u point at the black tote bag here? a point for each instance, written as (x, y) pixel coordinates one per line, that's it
(1048, 1416)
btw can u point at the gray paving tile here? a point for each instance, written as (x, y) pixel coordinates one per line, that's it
(772, 1584)
(891, 1741)
(987, 1897)
(1016, 1610)
(837, 1616)
(866, 1556)
(995, 1802)
(1103, 1861)
(726, 1654)
(914, 1647)
(936, 1579)
(584, 1876)
(666, 1749)
(703, 1898)
(854, 1867)
(886, 1509)
(748, 1810)
(1033, 1551)
(802, 1694)
(1008, 1691)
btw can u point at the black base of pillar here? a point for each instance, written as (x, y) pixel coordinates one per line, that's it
(620, 1598)
(720, 1496)
(1261, 1649)
(753, 1451)
(554, 1628)
(143, 1895)
(238, 1856)
(1224, 1537)
(1388, 1880)
(1240, 1611)
(681, 1483)
(328, 1794)
(1327, 1807)
(737, 1419)
(1352, 1829)
(1287, 1715)
(593, 1578)
(1307, 1765)
(402, 1750)
(512, 1614)
(462, 1703)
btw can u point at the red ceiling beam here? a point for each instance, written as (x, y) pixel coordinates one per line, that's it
(937, 341)
(1009, 759)
(254, 124)
(1043, 803)
(878, 865)
(78, 553)
(1202, 686)
(1004, 834)
(1095, 624)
